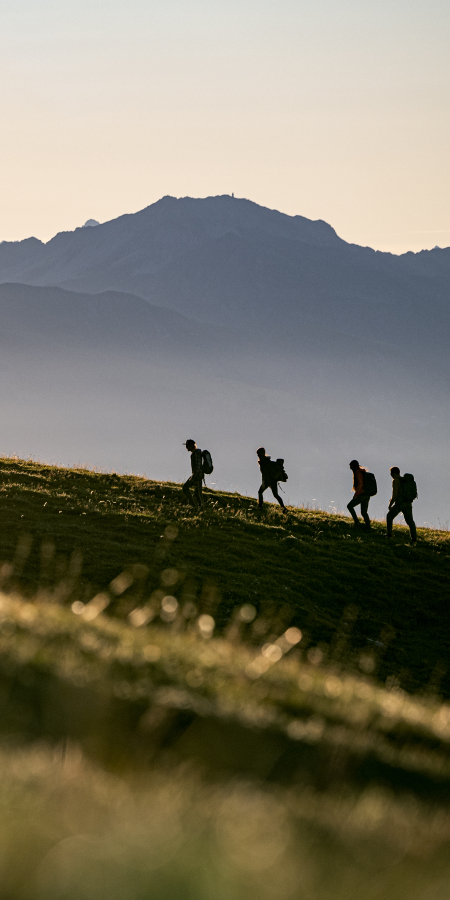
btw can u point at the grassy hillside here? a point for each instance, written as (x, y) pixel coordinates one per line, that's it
(214, 706)
(70, 831)
(360, 600)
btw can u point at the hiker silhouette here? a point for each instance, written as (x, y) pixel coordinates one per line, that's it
(361, 495)
(270, 474)
(404, 491)
(194, 481)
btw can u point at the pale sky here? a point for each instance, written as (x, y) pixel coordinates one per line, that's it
(331, 109)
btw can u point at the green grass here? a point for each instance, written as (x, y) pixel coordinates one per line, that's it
(165, 732)
(98, 680)
(357, 597)
(70, 831)
(218, 777)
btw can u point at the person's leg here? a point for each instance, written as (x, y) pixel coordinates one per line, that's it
(364, 510)
(187, 490)
(260, 496)
(274, 489)
(407, 512)
(355, 501)
(392, 513)
(198, 487)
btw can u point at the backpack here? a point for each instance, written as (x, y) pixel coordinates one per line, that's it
(370, 484)
(278, 470)
(207, 463)
(409, 488)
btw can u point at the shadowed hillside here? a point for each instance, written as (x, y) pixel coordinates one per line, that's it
(350, 594)
(193, 703)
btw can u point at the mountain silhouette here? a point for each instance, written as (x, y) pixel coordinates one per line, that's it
(231, 262)
(238, 325)
(52, 318)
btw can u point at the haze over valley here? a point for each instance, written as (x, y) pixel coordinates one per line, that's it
(237, 325)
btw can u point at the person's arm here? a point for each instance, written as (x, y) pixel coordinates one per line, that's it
(197, 468)
(395, 487)
(264, 465)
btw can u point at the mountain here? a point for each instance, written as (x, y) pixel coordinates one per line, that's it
(221, 320)
(55, 319)
(230, 261)
(116, 253)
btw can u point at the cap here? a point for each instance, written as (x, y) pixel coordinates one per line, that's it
(189, 443)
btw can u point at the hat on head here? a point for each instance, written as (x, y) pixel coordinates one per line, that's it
(189, 443)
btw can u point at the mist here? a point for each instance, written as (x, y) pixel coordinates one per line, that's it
(118, 413)
(239, 327)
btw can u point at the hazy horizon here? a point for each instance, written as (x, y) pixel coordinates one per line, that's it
(113, 413)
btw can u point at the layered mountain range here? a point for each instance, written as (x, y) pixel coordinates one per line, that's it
(240, 323)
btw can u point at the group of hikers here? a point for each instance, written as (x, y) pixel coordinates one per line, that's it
(404, 492)
(404, 489)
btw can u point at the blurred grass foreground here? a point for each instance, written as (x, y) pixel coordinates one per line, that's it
(219, 706)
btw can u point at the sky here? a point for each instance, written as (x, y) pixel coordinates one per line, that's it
(331, 109)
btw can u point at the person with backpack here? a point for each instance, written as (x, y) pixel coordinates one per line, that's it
(404, 492)
(365, 487)
(271, 473)
(195, 480)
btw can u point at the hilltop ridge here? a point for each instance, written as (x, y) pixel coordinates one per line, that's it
(151, 671)
(350, 594)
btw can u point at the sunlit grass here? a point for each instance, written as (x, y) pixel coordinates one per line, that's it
(70, 830)
(216, 705)
(354, 596)
(182, 668)
(229, 770)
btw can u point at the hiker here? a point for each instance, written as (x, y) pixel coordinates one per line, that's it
(361, 494)
(404, 491)
(195, 480)
(270, 474)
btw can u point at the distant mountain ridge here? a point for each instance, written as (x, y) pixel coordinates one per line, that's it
(241, 327)
(147, 239)
(227, 261)
(55, 320)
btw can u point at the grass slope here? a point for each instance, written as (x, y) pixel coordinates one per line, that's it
(141, 755)
(127, 692)
(358, 598)
(70, 831)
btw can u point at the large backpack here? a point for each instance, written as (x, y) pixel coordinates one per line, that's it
(278, 470)
(207, 463)
(370, 484)
(409, 488)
